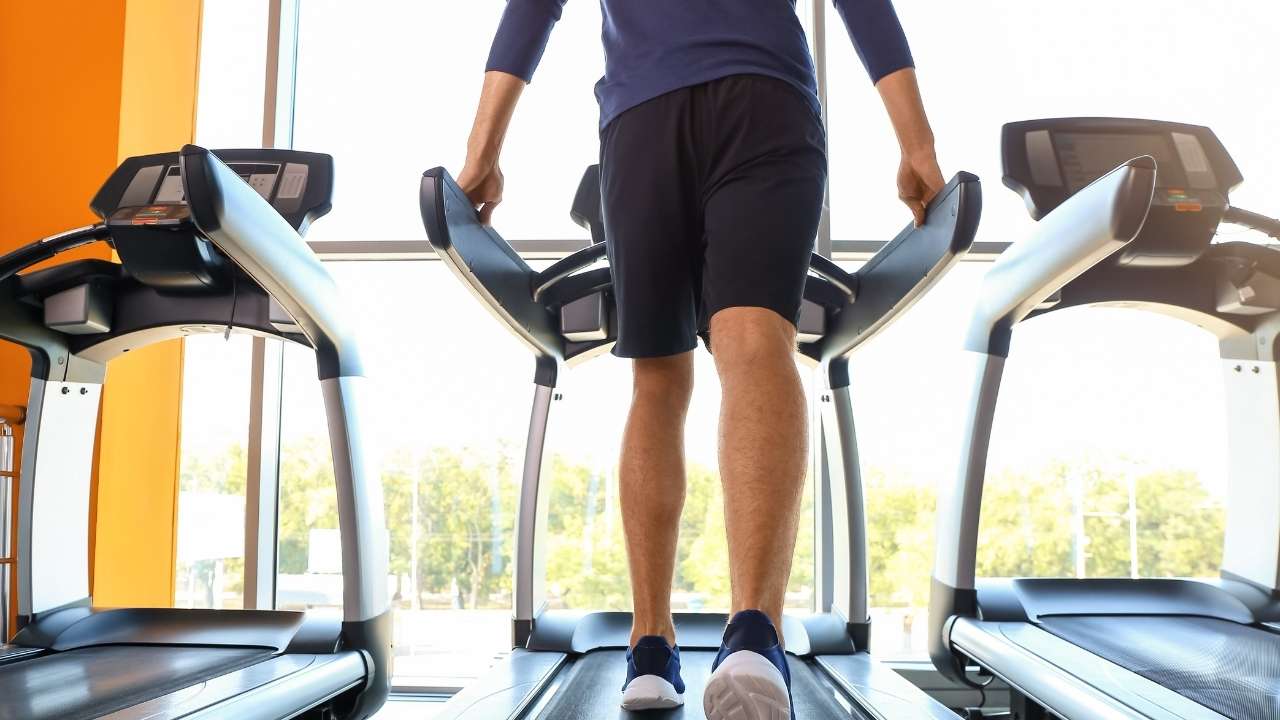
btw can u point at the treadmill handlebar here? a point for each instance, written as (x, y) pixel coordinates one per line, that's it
(1253, 221)
(258, 239)
(487, 265)
(565, 267)
(824, 268)
(899, 274)
(44, 249)
(1077, 235)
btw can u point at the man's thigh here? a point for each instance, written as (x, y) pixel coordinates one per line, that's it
(648, 189)
(764, 200)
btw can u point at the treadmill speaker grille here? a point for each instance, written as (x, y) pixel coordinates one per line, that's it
(1232, 668)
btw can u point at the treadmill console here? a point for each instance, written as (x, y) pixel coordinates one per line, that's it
(1048, 161)
(144, 206)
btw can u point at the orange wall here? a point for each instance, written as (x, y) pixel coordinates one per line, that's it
(59, 125)
(60, 73)
(81, 86)
(135, 549)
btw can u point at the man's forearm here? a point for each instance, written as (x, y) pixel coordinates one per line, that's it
(493, 116)
(901, 96)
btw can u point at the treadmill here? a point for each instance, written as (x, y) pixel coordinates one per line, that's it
(568, 665)
(1139, 236)
(208, 243)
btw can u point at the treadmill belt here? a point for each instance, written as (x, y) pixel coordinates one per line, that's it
(91, 682)
(1232, 668)
(592, 689)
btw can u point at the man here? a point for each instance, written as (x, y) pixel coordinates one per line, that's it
(713, 171)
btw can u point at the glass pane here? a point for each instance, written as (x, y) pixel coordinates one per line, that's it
(390, 88)
(449, 407)
(906, 397)
(988, 62)
(450, 404)
(233, 56)
(215, 418)
(1109, 450)
(1108, 440)
(587, 567)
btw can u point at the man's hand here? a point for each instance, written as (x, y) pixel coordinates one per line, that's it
(481, 178)
(482, 182)
(919, 179)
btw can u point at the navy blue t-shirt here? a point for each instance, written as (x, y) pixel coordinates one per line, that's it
(655, 46)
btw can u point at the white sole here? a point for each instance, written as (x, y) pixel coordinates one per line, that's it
(650, 692)
(746, 686)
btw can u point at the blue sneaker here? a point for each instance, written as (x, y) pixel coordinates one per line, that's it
(653, 676)
(749, 679)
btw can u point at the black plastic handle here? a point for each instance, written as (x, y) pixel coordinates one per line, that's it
(41, 250)
(1254, 221)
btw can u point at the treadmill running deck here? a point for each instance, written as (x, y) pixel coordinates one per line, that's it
(1232, 668)
(592, 688)
(91, 682)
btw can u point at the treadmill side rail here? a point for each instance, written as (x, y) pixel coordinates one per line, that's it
(877, 686)
(268, 690)
(508, 690)
(1067, 680)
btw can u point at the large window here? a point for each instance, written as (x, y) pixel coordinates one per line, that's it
(1108, 455)
(1109, 450)
(211, 499)
(587, 568)
(216, 370)
(983, 63)
(233, 52)
(450, 407)
(389, 88)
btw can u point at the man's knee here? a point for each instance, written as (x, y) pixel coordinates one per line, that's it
(669, 379)
(748, 336)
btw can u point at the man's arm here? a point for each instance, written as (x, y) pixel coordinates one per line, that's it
(517, 49)
(919, 177)
(481, 178)
(882, 46)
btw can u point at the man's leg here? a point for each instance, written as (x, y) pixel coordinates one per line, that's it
(768, 173)
(763, 452)
(652, 481)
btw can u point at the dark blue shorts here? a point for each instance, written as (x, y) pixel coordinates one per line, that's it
(712, 196)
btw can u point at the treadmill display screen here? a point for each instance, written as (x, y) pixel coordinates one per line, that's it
(1085, 157)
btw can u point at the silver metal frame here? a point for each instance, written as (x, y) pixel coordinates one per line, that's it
(530, 552)
(1251, 546)
(1073, 238)
(847, 554)
(10, 418)
(53, 495)
(296, 279)
(1073, 682)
